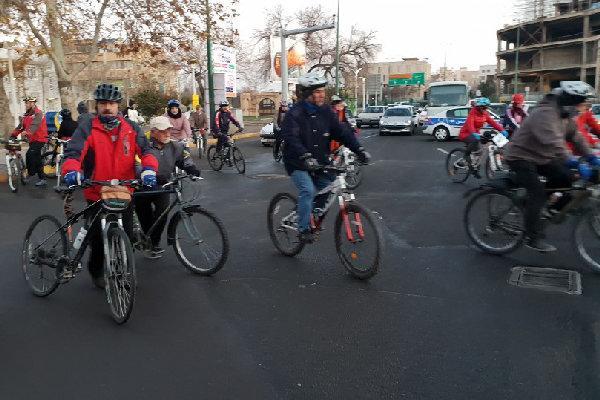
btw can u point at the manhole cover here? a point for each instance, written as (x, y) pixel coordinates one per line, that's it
(549, 279)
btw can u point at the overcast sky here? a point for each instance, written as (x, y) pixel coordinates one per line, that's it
(463, 30)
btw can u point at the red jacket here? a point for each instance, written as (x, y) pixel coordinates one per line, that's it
(475, 121)
(105, 155)
(589, 128)
(33, 125)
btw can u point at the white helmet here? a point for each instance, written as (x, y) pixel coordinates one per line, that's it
(335, 98)
(571, 93)
(312, 81)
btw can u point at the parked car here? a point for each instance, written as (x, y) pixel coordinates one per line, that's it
(350, 117)
(267, 136)
(447, 123)
(596, 110)
(499, 108)
(370, 116)
(398, 119)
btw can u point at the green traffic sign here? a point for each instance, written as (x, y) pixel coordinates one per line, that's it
(418, 78)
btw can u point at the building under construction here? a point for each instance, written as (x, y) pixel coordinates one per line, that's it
(550, 43)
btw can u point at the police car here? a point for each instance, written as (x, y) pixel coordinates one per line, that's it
(446, 124)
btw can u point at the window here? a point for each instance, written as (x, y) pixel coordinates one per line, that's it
(398, 112)
(374, 110)
(458, 113)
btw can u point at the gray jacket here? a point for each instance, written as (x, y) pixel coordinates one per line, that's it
(542, 136)
(173, 154)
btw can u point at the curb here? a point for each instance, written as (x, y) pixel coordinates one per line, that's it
(238, 137)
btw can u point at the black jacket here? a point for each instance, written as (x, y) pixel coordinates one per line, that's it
(309, 129)
(67, 128)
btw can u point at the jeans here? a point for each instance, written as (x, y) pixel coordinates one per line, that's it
(308, 186)
(148, 209)
(527, 175)
(34, 159)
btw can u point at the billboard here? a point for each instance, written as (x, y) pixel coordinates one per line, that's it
(296, 57)
(416, 78)
(225, 62)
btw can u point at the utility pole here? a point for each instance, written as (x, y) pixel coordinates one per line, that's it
(364, 99)
(211, 86)
(356, 85)
(283, 60)
(337, 51)
(516, 86)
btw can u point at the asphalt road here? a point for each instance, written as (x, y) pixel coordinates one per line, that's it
(438, 322)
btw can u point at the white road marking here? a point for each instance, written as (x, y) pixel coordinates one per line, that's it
(442, 150)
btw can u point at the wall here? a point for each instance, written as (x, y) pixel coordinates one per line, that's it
(250, 102)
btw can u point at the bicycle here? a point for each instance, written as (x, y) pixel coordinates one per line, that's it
(47, 257)
(15, 165)
(230, 154)
(489, 155)
(354, 228)
(278, 151)
(344, 157)
(200, 140)
(198, 237)
(52, 160)
(494, 217)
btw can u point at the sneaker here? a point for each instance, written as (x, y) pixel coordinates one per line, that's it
(540, 245)
(307, 237)
(41, 183)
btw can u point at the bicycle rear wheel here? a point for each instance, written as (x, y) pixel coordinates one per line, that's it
(586, 237)
(282, 218)
(494, 223)
(238, 160)
(354, 177)
(199, 239)
(214, 158)
(119, 274)
(457, 165)
(358, 241)
(45, 243)
(22, 171)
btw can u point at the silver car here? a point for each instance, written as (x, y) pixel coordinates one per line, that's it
(396, 120)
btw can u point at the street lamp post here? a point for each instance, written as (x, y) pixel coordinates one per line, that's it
(211, 86)
(337, 51)
(356, 85)
(364, 91)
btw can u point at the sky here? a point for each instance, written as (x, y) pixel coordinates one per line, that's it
(461, 31)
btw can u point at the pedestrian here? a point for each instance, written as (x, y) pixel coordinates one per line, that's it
(199, 121)
(181, 130)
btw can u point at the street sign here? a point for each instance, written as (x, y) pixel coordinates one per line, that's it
(416, 78)
(195, 100)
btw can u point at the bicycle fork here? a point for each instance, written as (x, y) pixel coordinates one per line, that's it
(348, 224)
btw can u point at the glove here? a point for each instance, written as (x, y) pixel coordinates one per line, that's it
(310, 162)
(505, 134)
(573, 162)
(475, 136)
(148, 177)
(73, 178)
(585, 171)
(363, 156)
(594, 160)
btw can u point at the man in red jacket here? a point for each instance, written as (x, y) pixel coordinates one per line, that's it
(469, 133)
(103, 148)
(33, 126)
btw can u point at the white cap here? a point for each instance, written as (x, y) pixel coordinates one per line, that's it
(161, 123)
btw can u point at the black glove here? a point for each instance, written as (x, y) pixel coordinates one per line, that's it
(310, 162)
(363, 156)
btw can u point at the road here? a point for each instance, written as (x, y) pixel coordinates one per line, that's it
(438, 322)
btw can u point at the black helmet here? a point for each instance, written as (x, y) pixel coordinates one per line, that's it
(107, 92)
(572, 93)
(65, 113)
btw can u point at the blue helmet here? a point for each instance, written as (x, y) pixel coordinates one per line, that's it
(174, 103)
(482, 102)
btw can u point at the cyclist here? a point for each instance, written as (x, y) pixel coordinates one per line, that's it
(33, 127)
(538, 148)
(222, 120)
(103, 148)
(469, 133)
(283, 108)
(199, 121)
(308, 129)
(588, 125)
(339, 109)
(515, 114)
(181, 130)
(67, 125)
(169, 154)
(83, 112)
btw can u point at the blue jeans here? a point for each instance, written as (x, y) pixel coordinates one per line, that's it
(308, 186)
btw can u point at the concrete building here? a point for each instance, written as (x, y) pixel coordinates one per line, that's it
(487, 72)
(461, 74)
(541, 52)
(378, 75)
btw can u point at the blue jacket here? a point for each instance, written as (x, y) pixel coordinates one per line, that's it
(309, 129)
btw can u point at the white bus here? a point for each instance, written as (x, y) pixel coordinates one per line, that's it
(444, 95)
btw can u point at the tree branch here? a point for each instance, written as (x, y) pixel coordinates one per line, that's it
(94, 50)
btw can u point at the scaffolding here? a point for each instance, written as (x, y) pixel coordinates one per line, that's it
(531, 10)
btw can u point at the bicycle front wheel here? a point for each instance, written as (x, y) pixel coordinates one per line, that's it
(494, 223)
(238, 160)
(587, 238)
(13, 176)
(282, 218)
(358, 241)
(214, 158)
(457, 165)
(45, 243)
(199, 239)
(119, 274)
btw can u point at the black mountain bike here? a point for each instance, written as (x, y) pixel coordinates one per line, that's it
(198, 237)
(229, 155)
(47, 258)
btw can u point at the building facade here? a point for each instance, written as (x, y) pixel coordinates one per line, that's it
(378, 75)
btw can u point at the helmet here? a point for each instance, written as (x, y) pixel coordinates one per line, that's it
(482, 102)
(336, 99)
(30, 98)
(65, 113)
(572, 93)
(173, 103)
(224, 103)
(312, 81)
(518, 98)
(107, 92)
